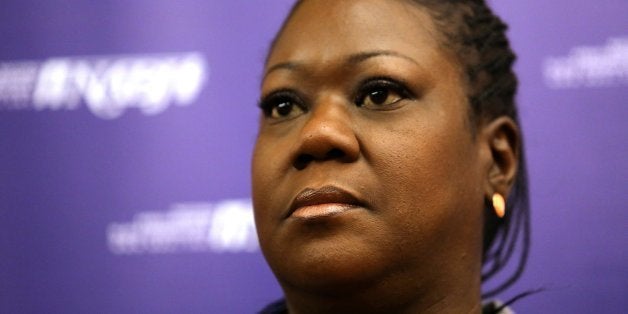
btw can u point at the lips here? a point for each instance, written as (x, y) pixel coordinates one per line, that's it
(326, 201)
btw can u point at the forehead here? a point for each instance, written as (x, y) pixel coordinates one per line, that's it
(323, 30)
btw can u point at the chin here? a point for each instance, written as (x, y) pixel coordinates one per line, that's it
(329, 267)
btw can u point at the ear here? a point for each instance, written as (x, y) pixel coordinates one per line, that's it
(502, 138)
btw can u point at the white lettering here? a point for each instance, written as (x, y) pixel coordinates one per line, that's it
(16, 83)
(589, 66)
(107, 85)
(233, 227)
(224, 227)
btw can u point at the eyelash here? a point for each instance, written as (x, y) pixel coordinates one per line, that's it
(386, 83)
(270, 102)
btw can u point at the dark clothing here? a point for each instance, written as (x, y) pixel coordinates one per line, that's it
(491, 307)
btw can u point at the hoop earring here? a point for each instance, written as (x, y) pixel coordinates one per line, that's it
(499, 205)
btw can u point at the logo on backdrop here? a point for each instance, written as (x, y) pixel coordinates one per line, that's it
(589, 66)
(225, 226)
(106, 85)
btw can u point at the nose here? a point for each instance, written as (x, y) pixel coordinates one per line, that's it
(328, 134)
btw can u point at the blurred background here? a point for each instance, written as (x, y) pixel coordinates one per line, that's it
(126, 130)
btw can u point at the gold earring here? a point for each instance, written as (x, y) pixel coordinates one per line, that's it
(499, 205)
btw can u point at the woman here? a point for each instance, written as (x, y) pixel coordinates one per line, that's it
(388, 142)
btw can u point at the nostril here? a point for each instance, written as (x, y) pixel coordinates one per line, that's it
(302, 161)
(334, 153)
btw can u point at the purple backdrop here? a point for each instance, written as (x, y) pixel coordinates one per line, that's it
(116, 198)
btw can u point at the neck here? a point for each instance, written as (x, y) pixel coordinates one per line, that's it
(387, 298)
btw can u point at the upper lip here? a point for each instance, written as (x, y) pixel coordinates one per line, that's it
(325, 195)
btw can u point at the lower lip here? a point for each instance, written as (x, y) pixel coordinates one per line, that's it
(321, 210)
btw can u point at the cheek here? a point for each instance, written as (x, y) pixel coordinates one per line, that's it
(423, 157)
(270, 189)
(428, 171)
(267, 163)
(263, 171)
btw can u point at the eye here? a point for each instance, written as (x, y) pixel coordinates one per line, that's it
(381, 94)
(282, 105)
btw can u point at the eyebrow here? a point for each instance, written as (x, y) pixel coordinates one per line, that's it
(363, 56)
(352, 59)
(283, 66)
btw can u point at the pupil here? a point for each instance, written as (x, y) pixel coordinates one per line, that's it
(379, 96)
(284, 108)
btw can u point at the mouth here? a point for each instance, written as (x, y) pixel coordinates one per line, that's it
(323, 202)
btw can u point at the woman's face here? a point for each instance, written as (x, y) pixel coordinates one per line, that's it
(365, 170)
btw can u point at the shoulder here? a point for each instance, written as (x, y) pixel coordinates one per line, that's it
(277, 307)
(489, 307)
(495, 307)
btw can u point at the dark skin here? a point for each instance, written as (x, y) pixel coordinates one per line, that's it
(369, 178)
